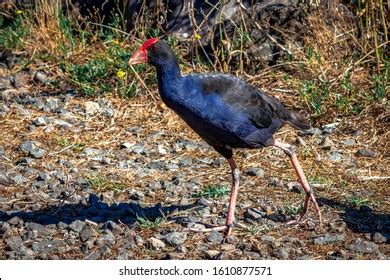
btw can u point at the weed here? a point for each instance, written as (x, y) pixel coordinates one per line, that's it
(102, 184)
(146, 223)
(213, 191)
(293, 210)
(356, 201)
(11, 35)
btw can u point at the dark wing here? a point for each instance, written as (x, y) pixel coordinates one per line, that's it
(260, 108)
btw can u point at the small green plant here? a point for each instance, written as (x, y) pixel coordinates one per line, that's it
(356, 201)
(11, 35)
(101, 183)
(256, 230)
(293, 210)
(75, 146)
(146, 223)
(213, 191)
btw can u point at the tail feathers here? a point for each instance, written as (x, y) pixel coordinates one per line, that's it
(297, 121)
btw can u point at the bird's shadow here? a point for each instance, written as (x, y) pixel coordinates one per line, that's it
(96, 211)
(362, 219)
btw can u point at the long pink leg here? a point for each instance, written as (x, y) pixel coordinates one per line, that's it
(289, 150)
(232, 203)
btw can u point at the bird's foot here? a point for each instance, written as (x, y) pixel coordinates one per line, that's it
(210, 228)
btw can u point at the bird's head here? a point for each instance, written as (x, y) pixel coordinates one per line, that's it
(152, 51)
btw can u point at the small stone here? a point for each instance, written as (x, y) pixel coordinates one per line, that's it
(276, 182)
(211, 254)
(326, 144)
(232, 240)
(329, 128)
(366, 153)
(294, 187)
(139, 240)
(87, 233)
(5, 82)
(41, 77)
(77, 225)
(283, 253)
(175, 256)
(380, 238)
(228, 247)
(175, 238)
(329, 239)
(215, 237)
(162, 150)
(92, 108)
(156, 244)
(348, 142)
(256, 172)
(360, 246)
(335, 156)
(13, 243)
(270, 240)
(21, 79)
(254, 214)
(31, 147)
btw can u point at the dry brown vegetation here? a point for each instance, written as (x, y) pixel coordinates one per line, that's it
(337, 76)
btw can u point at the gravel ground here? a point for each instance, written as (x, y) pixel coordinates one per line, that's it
(120, 179)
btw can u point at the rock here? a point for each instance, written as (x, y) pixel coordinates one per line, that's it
(326, 144)
(329, 128)
(254, 214)
(107, 238)
(32, 148)
(232, 240)
(212, 254)
(329, 239)
(175, 238)
(294, 187)
(380, 238)
(228, 247)
(87, 233)
(93, 154)
(360, 246)
(92, 108)
(349, 142)
(283, 253)
(5, 82)
(41, 77)
(335, 156)
(175, 256)
(124, 254)
(4, 179)
(366, 153)
(62, 124)
(39, 229)
(13, 243)
(156, 244)
(77, 225)
(256, 172)
(4, 110)
(215, 237)
(21, 79)
(270, 240)
(276, 182)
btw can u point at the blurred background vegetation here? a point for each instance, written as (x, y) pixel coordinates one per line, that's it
(338, 64)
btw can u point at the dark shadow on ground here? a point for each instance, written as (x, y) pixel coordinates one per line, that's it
(96, 211)
(362, 219)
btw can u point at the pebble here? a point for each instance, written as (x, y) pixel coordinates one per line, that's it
(381, 238)
(92, 108)
(360, 246)
(255, 172)
(212, 254)
(77, 225)
(156, 244)
(215, 237)
(175, 238)
(334, 156)
(366, 153)
(32, 148)
(329, 239)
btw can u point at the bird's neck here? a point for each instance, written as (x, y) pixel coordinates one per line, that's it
(168, 79)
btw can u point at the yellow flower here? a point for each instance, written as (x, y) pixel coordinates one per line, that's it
(19, 12)
(121, 74)
(115, 42)
(197, 36)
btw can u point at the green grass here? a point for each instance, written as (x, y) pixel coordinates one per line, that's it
(293, 210)
(356, 201)
(12, 34)
(101, 183)
(213, 191)
(148, 224)
(75, 146)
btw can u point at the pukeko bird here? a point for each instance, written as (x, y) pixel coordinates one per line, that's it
(227, 112)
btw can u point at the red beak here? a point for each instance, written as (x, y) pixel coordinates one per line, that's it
(138, 57)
